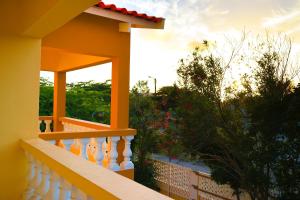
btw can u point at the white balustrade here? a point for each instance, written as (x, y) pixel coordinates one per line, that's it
(44, 183)
(53, 177)
(127, 153)
(113, 154)
(103, 154)
(102, 149)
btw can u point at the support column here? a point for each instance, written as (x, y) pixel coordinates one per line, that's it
(59, 99)
(119, 117)
(120, 93)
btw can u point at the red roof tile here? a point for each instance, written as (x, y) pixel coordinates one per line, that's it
(124, 11)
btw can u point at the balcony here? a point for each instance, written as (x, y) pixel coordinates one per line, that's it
(79, 159)
(55, 173)
(96, 142)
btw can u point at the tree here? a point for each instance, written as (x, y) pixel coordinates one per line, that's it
(46, 97)
(85, 100)
(142, 118)
(249, 137)
(89, 101)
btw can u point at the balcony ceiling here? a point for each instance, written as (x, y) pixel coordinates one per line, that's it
(58, 60)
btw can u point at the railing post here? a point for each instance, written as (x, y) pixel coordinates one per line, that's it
(48, 123)
(42, 189)
(84, 142)
(127, 164)
(100, 154)
(30, 176)
(64, 187)
(36, 179)
(53, 181)
(113, 154)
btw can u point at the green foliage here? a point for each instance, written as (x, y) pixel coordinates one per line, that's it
(250, 139)
(46, 97)
(85, 100)
(89, 101)
(142, 118)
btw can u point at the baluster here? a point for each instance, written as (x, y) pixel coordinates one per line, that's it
(42, 189)
(30, 176)
(84, 142)
(36, 179)
(64, 189)
(52, 185)
(127, 153)
(113, 154)
(105, 152)
(68, 144)
(100, 154)
(73, 193)
(48, 123)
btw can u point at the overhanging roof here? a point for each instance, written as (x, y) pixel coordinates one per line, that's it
(135, 19)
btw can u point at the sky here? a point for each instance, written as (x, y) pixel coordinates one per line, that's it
(156, 53)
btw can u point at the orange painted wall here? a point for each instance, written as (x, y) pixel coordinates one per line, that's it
(93, 35)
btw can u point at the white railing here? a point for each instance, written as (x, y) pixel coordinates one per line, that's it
(94, 142)
(54, 173)
(44, 183)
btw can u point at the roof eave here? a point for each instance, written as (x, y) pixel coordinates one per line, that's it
(135, 22)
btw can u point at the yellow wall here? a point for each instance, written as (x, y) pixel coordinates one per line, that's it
(19, 87)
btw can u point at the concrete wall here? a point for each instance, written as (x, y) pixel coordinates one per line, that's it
(19, 87)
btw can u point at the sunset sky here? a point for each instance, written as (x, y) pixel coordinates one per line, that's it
(156, 52)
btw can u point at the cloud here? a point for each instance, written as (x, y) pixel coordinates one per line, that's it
(285, 20)
(188, 22)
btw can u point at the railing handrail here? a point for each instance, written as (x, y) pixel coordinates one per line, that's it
(85, 123)
(45, 117)
(94, 180)
(86, 134)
